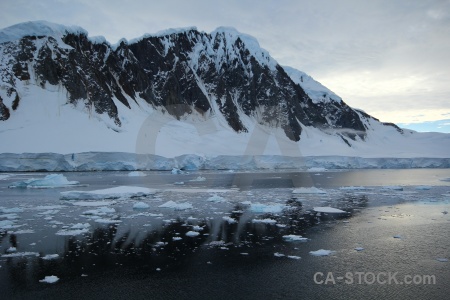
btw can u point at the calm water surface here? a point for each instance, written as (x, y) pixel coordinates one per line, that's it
(240, 251)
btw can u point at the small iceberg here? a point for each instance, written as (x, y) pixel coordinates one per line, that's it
(192, 233)
(329, 210)
(49, 181)
(294, 238)
(199, 178)
(322, 252)
(266, 208)
(137, 174)
(264, 221)
(50, 279)
(111, 193)
(216, 198)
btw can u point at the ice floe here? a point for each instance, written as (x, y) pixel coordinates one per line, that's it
(309, 190)
(50, 256)
(111, 193)
(72, 232)
(49, 181)
(21, 254)
(265, 221)
(100, 211)
(266, 208)
(294, 238)
(137, 174)
(322, 252)
(141, 205)
(329, 210)
(176, 206)
(216, 198)
(50, 279)
(199, 178)
(192, 233)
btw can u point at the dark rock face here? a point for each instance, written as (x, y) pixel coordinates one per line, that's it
(179, 72)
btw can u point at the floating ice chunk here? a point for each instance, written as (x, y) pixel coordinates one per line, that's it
(392, 188)
(21, 254)
(197, 228)
(137, 174)
(49, 279)
(81, 226)
(100, 211)
(192, 233)
(199, 178)
(310, 190)
(179, 183)
(107, 221)
(176, 206)
(111, 193)
(322, 252)
(317, 169)
(93, 203)
(176, 171)
(359, 248)
(4, 176)
(265, 221)
(276, 254)
(11, 249)
(49, 181)
(50, 256)
(24, 231)
(229, 220)
(293, 257)
(329, 210)
(216, 198)
(11, 210)
(176, 238)
(266, 208)
(9, 216)
(6, 224)
(442, 259)
(141, 205)
(294, 238)
(72, 232)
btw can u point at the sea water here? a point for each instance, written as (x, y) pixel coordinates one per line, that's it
(242, 235)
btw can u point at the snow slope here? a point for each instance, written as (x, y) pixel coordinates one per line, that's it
(46, 123)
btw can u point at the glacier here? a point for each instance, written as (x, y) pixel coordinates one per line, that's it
(111, 161)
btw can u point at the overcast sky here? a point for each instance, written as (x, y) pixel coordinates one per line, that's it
(389, 58)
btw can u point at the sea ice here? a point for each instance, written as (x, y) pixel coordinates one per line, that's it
(176, 206)
(294, 238)
(199, 178)
(192, 233)
(266, 208)
(327, 209)
(100, 211)
(49, 279)
(111, 193)
(176, 171)
(216, 198)
(137, 174)
(392, 188)
(317, 169)
(49, 181)
(359, 248)
(229, 220)
(11, 210)
(141, 205)
(21, 254)
(293, 257)
(93, 203)
(72, 232)
(265, 221)
(50, 256)
(310, 190)
(322, 252)
(107, 221)
(442, 259)
(80, 226)
(276, 254)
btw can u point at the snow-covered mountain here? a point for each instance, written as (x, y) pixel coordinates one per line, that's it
(180, 91)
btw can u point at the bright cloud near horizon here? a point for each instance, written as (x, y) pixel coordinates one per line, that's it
(388, 58)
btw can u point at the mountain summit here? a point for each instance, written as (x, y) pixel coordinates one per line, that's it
(184, 73)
